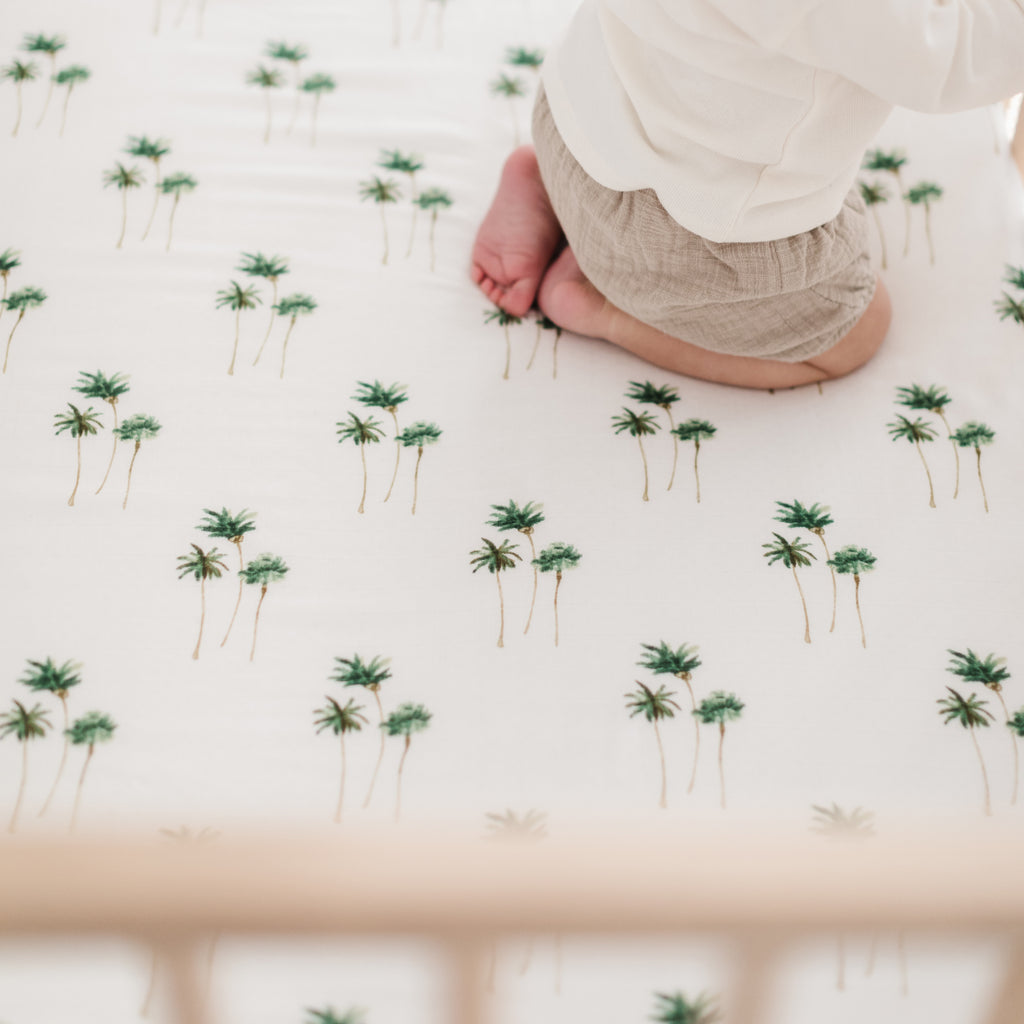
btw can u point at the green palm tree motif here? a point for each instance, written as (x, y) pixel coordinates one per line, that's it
(681, 662)
(873, 195)
(22, 300)
(637, 424)
(262, 571)
(505, 320)
(361, 433)
(270, 268)
(932, 399)
(389, 399)
(137, 428)
(521, 57)
(330, 1016)
(46, 676)
(203, 565)
(124, 178)
(92, 728)
(108, 389)
(407, 164)
(974, 435)
(675, 1008)
(51, 46)
(512, 517)
(991, 673)
(496, 558)
(664, 397)
(9, 260)
(915, 433)
(176, 185)
(792, 553)
(1016, 723)
(418, 436)
(78, 424)
(654, 706)
(972, 714)
(232, 527)
(70, 77)
(294, 55)
(317, 86)
(19, 73)
(1014, 276)
(695, 431)
(891, 162)
(545, 324)
(1009, 308)
(717, 709)
(557, 558)
(340, 720)
(404, 721)
(510, 87)
(238, 298)
(368, 674)
(924, 194)
(528, 827)
(292, 306)
(432, 201)
(266, 79)
(24, 725)
(381, 192)
(854, 561)
(154, 150)
(814, 518)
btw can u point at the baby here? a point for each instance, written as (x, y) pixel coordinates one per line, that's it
(691, 195)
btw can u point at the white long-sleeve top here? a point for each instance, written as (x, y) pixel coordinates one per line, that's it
(749, 118)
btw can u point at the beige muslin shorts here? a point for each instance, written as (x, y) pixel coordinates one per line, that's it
(789, 299)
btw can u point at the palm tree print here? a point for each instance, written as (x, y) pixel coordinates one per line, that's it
(814, 518)
(932, 399)
(51, 46)
(382, 193)
(990, 672)
(292, 306)
(432, 201)
(523, 520)
(238, 298)
(496, 558)
(330, 1016)
(676, 1008)
(1008, 307)
(19, 72)
(854, 561)
(638, 425)
(718, 709)
(70, 77)
(153, 150)
(664, 397)
(924, 194)
(505, 320)
(362, 433)
(696, 431)
(370, 675)
(79, 424)
(891, 162)
(9, 260)
(124, 178)
(654, 706)
(545, 324)
(294, 55)
(407, 164)
(202, 565)
(836, 823)
(232, 527)
(972, 714)
(529, 827)
(262, 571)
(92, 728)
(679, 662)
(791, 553)
(46, 676)
(915, 433)
(388, 398)
(557, 558)
(418, 436)
(24, 725)
(510, 87)
(266, 79)
(522, 57)
(136, 428)
(873, 195)
(270, 268)
(317, 86)
(404, 721)
(21, 301)
(974, 435)
(340, 720)
(108, 389)
(176, 185)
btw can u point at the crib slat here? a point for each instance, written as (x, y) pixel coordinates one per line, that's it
(755, 965)
(469, 1000)
(189, 1003)
(1007, 1009)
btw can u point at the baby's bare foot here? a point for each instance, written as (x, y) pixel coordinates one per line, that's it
(571, 301)
(517, 238)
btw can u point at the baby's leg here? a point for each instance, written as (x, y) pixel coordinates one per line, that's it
(572, 302)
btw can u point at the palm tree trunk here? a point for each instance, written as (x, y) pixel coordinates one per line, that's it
(12, 827)
(508, 353)
(270, 326)
(881, 235)
(415, 210)
(284, 347)
(234, 350)
(558, 583)
(78, 471)
(416, 479)
(675, 447)
(1016, 754)
(49, 91)
(156, 30)
(440, 24)
(124, 217)
(362, 500)
(984, 772)
(395, 23)
(170, 223)
(928, 233)
(266, 132)
(202, 16)
(643, 455)
(663, 801)
(256, 624)
(856, 598)
(298, 99)
(156, 200)
(554, 354)
(113, 450)
(980, 480)
(956, 450)
(418, 30)
(202, 616)
(64, 116)
(181, 14)
(533, 600)
(7, 351)
(433, 254)
(17, 122)
(398, 453)
(151, 990)
(931, 489)
(384, 224)
(807, 621)
(380, 755)
(63, 758)
(696, 735)
(536, 345)
(78, 791)
(238, 602)
(316, 110)
(721, 767)
(501, 600)
(398, 791)
(828, 556)
(341, 789)
(696, 472)
(131, 466)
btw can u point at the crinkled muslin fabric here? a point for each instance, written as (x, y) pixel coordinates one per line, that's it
(789, 299)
